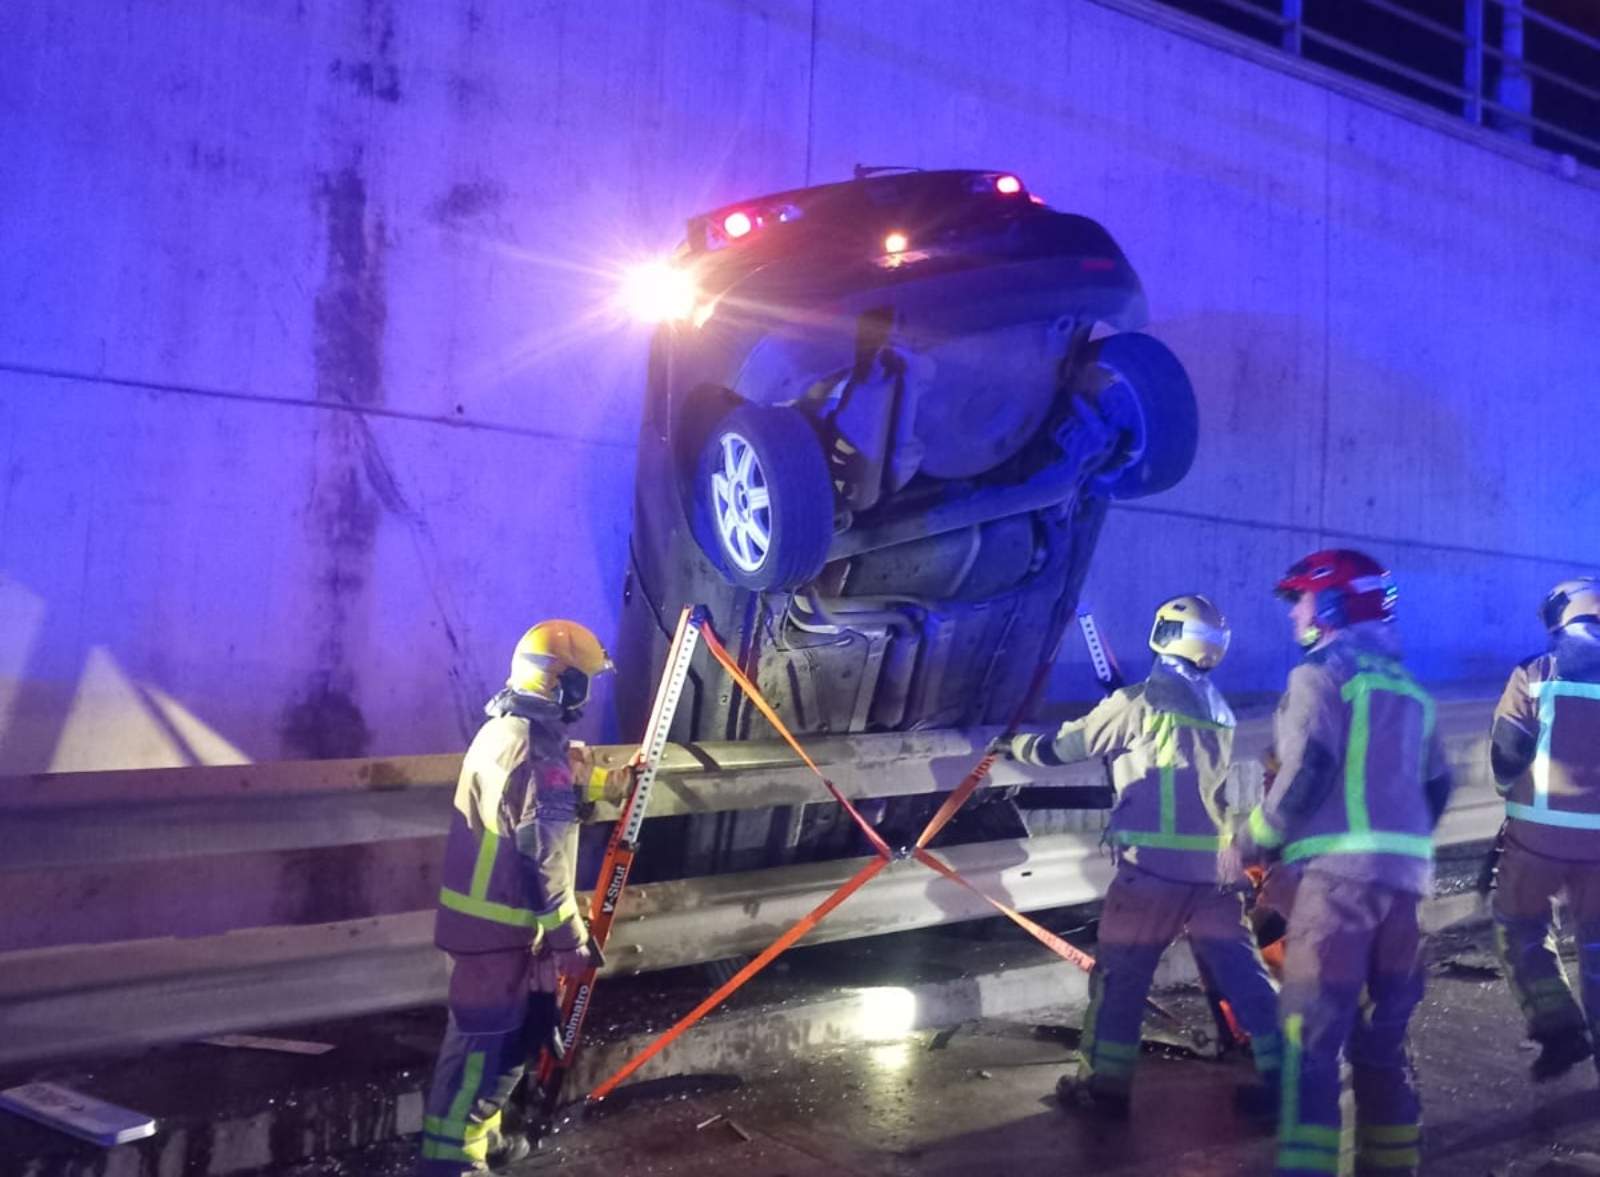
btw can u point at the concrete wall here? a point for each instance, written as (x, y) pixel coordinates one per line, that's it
(311, 397)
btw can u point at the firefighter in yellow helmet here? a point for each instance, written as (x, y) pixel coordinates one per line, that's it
(508, 912)
(1545, 754)
(1170, 741)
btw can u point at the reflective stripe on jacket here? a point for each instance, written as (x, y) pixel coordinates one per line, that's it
(511, 852)
(1554, 800)
(1355, 739)
(1169, 741)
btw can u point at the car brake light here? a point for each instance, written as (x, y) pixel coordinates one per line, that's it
(737, 224)
(1007, 185)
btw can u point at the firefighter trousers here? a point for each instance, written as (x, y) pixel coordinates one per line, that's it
(1352, 975)
(1524, 898)
(483, 1056)
(1143, 914)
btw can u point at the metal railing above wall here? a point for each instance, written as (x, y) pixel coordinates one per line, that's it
(1498, 64)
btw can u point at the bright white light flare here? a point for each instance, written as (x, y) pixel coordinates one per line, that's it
(658, 291)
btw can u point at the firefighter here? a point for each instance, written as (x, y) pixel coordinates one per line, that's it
(1169, 741)
(1360, 785)
(1545, 755)
(508, 910)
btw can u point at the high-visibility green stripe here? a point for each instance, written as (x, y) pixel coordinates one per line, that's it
(1289, 1102)
(435, 1150)
(1107, 1049)
(1208, 842)
(1266, 1045)
(460, 1130)
(1112, 1068)
(483, 909)
(1086, 1040)
(1305, 1158)
(1261, 831)
(1389, 1157)
(1370, 842)
(566, 910)
(1312, 1135)
(471, 1078)
(1358, 692)
(1355, 761)
(1181, 720)
(1163, 727)
(488, 850)
(1565, 818)
(1389, 1134)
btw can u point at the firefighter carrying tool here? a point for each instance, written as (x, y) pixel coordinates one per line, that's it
(508, 911)
(576, 992)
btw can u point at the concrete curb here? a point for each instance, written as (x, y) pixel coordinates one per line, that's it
(304, 1126)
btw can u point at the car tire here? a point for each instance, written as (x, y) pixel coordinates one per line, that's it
(1141, 389)
(766, 498)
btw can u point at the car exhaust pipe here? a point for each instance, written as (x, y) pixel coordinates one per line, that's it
(1087, 443)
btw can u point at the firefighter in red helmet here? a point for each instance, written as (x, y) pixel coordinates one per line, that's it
(1362, 782)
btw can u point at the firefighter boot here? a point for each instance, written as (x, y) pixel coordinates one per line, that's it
(1077, 1094)
(1559, 1053)
(508, 1150)
(1257, 1103)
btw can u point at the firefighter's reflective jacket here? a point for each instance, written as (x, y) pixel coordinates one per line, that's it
(1362, 777)
(511, 855)
(1169, 741)
(1545, 750)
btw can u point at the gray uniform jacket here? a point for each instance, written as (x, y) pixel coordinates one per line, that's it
(1169, 741)
(512, 849)
(1362, 777)
(1545, 751)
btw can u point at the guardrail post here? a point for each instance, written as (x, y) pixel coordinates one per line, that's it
(1472, 63)
(1515, 90)
(1293, 17)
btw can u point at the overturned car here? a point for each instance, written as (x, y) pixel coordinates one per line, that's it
(880, 430)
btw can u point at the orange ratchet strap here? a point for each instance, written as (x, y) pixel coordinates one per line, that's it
(720, 653)
(940, 819)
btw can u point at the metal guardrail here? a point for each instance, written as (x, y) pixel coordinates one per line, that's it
(272, 894)
(1498, 83)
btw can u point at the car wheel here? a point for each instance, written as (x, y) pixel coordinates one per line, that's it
(768, 499)
(1141, 389)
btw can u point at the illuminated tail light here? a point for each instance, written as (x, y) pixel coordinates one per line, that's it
(749, 222)
(1007, 185)
(895, 243)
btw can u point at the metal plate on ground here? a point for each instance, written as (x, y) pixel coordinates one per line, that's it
(77, 1114)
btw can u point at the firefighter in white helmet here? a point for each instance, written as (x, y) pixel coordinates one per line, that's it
(1545, 754)
(1169, 741)
(508, 912)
